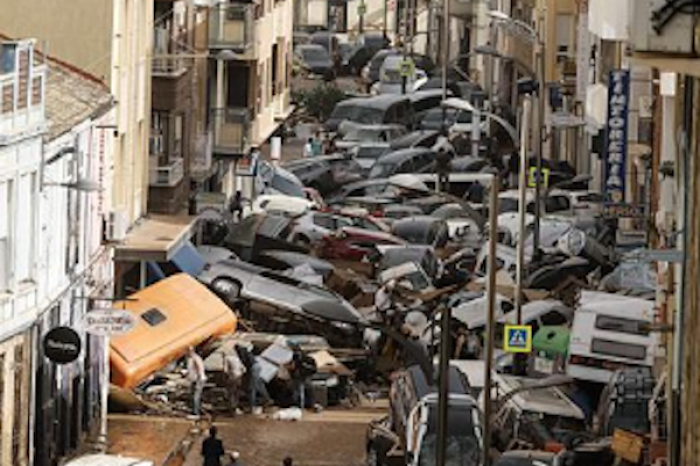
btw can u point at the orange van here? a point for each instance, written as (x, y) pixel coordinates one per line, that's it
(171, 315)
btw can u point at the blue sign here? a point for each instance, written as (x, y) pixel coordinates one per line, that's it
(517, 339)
(616, 136)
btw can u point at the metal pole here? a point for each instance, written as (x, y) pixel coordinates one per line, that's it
(491, 326)
(522, 208)
(443, 394)
(445, 58)
(675, 431)
(541, 128)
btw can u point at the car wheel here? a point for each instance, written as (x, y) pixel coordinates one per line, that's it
(229, 289)
(373, 456)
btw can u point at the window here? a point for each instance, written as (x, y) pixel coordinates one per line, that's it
(177, 136)
(620, 350)
(553, 318)
(6, 215)
(25, 226)
(158, 129)
(153, 317)
(622, 325)
(324, 221)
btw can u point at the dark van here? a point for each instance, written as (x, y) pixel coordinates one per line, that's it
(378, 110)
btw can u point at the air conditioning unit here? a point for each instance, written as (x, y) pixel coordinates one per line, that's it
(116, 226)
(661, 26)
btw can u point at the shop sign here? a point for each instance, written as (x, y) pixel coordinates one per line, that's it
(616, 135)
(107, 322)
(62, 345)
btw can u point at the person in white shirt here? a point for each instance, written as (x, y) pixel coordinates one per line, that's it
(234, 369)
(197, 377)
(308, 150)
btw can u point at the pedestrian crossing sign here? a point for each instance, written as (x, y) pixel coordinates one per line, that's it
(518, 339)
(532, 177)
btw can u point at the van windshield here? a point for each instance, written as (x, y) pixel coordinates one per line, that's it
(463, 438)
(358, 114)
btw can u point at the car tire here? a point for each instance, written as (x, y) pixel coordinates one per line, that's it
(229, 289)
(372, 457)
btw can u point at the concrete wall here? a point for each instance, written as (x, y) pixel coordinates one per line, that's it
(79, 31)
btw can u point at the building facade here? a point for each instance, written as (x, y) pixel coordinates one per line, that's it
(250, 78)
(22, 126)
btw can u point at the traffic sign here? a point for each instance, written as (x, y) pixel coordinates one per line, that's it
(624, 210)
(518, 339)
(361, 9)
(532, 177)
(107, 322)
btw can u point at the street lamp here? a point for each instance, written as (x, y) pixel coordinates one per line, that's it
(535, 38)
(465, 106)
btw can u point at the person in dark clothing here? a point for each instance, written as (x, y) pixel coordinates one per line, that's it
(237, 206)
(288, 461)
(256, 385)
(301, 369)
(212, 449)
(443, 167)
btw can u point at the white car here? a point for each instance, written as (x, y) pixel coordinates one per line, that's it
(107, 460)
(281, 204)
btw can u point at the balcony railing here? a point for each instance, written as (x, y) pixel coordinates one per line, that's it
(168, 175)
(231, 131)
(232, 26)
(21, 101)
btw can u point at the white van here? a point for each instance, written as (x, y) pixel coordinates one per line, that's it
(609, 332)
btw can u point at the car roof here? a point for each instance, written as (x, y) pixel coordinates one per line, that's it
(551, 401)
(379, 101)
(310, 47)
(426, 94)
(402, 154)
(409, 139)
(417, 220)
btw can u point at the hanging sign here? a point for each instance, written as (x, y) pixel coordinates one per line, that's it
(616, 135)
(62, 345)
(107, 322)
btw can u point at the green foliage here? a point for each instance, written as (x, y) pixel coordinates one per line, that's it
(320, 101)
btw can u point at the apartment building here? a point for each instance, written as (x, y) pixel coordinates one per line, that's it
(250, 45)
(180, 141)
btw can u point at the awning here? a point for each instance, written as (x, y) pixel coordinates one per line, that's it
(155, 238)
(669, 63)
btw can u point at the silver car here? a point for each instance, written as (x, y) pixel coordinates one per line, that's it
(234, 280)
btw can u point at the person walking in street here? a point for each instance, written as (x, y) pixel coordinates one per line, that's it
(256, 385)
(308, 150)
(317, 145)
(212, 449)
(197, 377)
(443, 167)
(302, 368)
(237, 206)
(234, 369)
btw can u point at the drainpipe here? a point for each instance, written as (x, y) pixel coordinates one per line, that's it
(682, 295)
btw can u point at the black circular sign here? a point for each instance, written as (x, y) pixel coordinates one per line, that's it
(62, 345)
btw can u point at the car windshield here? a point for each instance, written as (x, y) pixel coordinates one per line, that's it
(412, 232)
(315, 54)
(381, 170)
(463, 439)
(370, 152)
(507, 205)
(358, 114)
(366, 134)
(286, 186)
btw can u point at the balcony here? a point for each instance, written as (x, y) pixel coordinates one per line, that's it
(232, 27)
(168, 175)
(463, 9)
(231, 131)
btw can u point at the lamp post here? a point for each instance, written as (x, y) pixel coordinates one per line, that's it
(529, 33)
